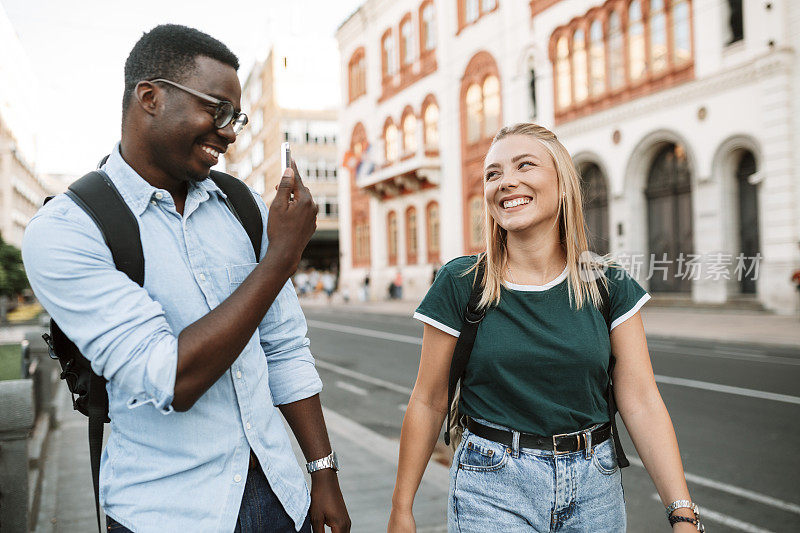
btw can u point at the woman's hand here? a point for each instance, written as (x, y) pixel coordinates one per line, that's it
(401, 522)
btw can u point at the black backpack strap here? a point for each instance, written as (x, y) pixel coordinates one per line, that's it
(473, 315)
(605, 308)
(97, 195)
(100, 199)
(243, 206)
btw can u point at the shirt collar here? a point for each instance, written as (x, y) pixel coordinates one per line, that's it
(136, 191)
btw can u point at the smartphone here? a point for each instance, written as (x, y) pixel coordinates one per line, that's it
(286, 156)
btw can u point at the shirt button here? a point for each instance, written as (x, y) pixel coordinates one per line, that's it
(247, 425)
(202, 277)
(159, 195)
(153, 202)
(237, 478)
(239, 374)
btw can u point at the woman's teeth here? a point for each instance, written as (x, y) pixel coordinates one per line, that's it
(515, 202)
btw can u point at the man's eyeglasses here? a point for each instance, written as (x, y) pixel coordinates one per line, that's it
(224, 114)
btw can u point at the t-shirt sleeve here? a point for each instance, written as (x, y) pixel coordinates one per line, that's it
(626, 295)
(443, 306)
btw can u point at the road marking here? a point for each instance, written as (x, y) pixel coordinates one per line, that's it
(365, 332)
(732, 489)
(349, 387)
(363, 377)
(681, 382)
(728, 389)
(720, 353)
(725, 520)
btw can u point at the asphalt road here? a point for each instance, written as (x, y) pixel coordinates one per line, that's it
(736, 410)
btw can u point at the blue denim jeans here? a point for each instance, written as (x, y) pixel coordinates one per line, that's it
(496, 488)
(261, 511)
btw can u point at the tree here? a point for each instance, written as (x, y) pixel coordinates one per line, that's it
(12, 273)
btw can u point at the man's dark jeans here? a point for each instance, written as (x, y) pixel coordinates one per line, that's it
(261, 511)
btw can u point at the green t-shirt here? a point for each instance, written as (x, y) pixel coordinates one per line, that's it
(538, 365)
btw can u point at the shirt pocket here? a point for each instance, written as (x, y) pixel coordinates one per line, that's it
(238, 273)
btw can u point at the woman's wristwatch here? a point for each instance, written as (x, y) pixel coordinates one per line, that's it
(685, 504)
(326, 462)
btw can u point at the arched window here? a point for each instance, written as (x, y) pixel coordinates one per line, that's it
(616, 52)
(597, 58)
(391, 227)
(579, 73)
(636, 43)
(476, 222)
(563, 79)
(658, 36)
(430, 118)
(681, 36)
(433, 231)
(471, 11)
(388, 54)
(410, 133)
(406, 42)
(491, 106)
(474, 112)
(357, 75)
(427, 28)
(390, 142)
(411, 235)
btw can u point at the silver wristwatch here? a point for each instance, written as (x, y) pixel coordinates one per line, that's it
(326, 462)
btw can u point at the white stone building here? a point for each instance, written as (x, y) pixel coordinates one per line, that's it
(680, 114)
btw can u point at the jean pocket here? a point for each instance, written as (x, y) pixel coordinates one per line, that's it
(482, 455)
(604, 458)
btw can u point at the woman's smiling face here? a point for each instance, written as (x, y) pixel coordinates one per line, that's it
(520, 183)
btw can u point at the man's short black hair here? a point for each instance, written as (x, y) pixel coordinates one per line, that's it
(169, 51)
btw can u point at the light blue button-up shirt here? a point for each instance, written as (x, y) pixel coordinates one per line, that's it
(164, 470)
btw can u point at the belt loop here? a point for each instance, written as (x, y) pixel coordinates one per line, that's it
(515, 444)
(587, 439)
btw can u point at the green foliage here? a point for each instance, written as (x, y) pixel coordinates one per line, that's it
(12, 273)
(10, 361)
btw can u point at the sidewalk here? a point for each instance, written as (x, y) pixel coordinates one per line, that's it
(368, 464)
(712, 325)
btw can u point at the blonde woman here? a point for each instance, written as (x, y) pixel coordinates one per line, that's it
(536, 452)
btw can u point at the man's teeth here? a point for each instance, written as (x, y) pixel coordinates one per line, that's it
(515, 202)
(210, 151)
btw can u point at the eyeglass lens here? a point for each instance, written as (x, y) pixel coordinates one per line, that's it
(225, 113)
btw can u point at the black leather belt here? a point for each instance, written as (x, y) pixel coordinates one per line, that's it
(559, 444)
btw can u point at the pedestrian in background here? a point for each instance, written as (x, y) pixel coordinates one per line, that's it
(201, 357)
(537, 452)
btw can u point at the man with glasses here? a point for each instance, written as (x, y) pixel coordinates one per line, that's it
(198, 359)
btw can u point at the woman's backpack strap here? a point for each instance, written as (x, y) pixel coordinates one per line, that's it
(473, 315)
(605, 308)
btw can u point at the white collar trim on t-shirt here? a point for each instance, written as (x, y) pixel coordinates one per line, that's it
(549, 285)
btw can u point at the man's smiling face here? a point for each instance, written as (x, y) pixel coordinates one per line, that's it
(187, 144)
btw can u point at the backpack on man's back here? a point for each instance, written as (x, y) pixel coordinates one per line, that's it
(98, 197)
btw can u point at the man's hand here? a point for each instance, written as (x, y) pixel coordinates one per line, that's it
(327, 504)
(292, 219)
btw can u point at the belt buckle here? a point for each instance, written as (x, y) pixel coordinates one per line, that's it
(555, 444)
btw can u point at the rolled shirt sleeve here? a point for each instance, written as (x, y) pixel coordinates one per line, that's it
(113, 321)
(282, 333)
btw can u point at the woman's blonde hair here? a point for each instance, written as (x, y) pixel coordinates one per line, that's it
(585, 269)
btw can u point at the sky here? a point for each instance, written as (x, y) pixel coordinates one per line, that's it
(77, 50)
